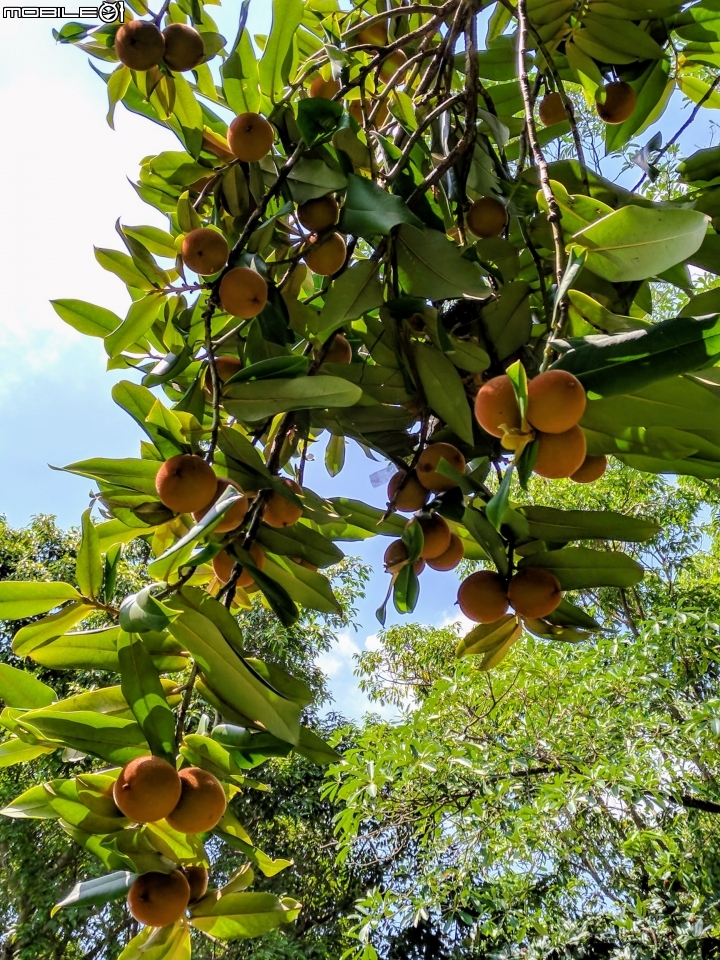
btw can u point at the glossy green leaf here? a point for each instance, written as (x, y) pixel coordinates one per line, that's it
(369, 211)
(357, 291)
(97, 650)
(88, 566)
(36, 636)
(14, 751)
(112, 739)
(318, 119)
(265, 398)
(276, 63)
(238, 916)
(444, 390)
(141, 612)
(24, 598)
(141, 687)
(579, 568)
(487, 637)
(309, 179)
(32, 804)
(507, 319)
(431, 266)
(18, 688)
(97, 892)
(160, 943)
(634, 243)
(86, 318)
(141, 316)
(135, 474)
(564, 526)
(240, 80)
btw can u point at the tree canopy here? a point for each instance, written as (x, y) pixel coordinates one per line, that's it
(387, 224)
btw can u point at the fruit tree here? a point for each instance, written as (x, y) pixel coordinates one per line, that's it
(367, 242)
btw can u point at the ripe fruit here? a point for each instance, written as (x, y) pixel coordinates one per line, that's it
(355, 111)
(159, 899)
(592, 469)
(396, 556)
(243, 293)
(139, 45)
(205, 251)
(226, 367)
(147, 789)
(560, 454)
(375, 36)
(328, 256)
(223, 565)
(452, 556)
(326, 89)
(319, 214)
(620, 100)
(186, 483)
(427, 466)
(281, 512)
(340, 350)
(413, 495)
(197, 878)
(202, 802)
(534, 592)
(233, 517)
(552, 110)
(487, 217)
(482, 597)
(436, 535)
(556, 401)
(184, 47)
(390, 66)
(250, 137)
(496, 406)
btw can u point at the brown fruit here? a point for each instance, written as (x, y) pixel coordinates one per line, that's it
(482, 597)
(233, 517)
(281, 512)
(223, 565)
(452, 556)
(326, 89)
(355, 111)
(534, 593)
(328, 256)
(556, 401)
(592, 469)
(389, 67)
(620, 100)
(250, 137)
(487, 217)
(186, 483)
(340, 350)
(496, 406)
(396, 557)
(184, 47)
(197, 878)
(139, 45)
(226, 367)
(376, 35)
(147, 789)
(205, 251)
(202, 802)
(560, 454)
(427, 466)
(319, 214)
(413, 495)
(243, 293)
(436, 535)
(159, 899)
(552, 110)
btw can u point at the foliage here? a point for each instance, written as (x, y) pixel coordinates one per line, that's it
(420, 124)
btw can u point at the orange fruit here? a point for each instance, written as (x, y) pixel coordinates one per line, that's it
(534, 593)
(281, 512)
(159, 899)
(556, 401)
(482, 597)
(592, 469)
(243, 293)
(250, 137)
(552, 110)
(496, 406)
(487, 217)
(452, 556)
(319, 214)
(412, 497)
(184, 47)
(139, 45)
(427, 466)
(186, 483)
(327, 256)
(205, 251)
(560, 454)
(619, 105)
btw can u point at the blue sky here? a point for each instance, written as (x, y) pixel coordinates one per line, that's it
(65, 183)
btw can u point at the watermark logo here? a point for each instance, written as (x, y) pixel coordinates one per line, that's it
(106, 12)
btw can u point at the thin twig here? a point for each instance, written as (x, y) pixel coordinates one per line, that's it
(185, 705)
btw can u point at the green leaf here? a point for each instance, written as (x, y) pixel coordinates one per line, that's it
(356, 292)
(276, 63)
(97, 650)
(228, 673)
(431, 266)
(240, 80)
(18, 688)
(157, 241)
(507, 319)
(140, 317)
(304, 586)
(160, 943)
(25, 598)
(335, 455)
(265, 398)
(630, 361)
(88, 566)
(135, 474)
(99, 891)
(115, 740)
(14, 751)
(649, 88)
(315, 749)
(187, 118)
(300, 541)
(31, 805)
(444, 390)
(35, 636)
(318, 119)
(635, 243)
(239, 916)
(369, 211)
(123, 267)
(484, 533)
(487, 637)
(497, 508)
(86, 317)
(141, 687)
(310, 179)
(141, 612)
(406, 590)
(564, 526)
(578, 568)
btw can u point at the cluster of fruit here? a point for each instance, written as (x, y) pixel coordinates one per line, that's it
(188, 484)
(617, 107)
(141, 45)
(191, 801)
